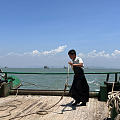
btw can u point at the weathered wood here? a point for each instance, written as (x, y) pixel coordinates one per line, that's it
(95, 110)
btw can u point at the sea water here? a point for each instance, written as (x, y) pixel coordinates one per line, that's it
(57, 81)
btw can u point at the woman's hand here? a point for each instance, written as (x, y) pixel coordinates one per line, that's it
(70, 63)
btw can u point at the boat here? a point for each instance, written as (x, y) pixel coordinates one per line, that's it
(97, 104)
(46, 67)
(5, 67)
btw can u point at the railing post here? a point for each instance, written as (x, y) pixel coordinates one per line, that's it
(6, 76)
(115, 77)
(107, 77)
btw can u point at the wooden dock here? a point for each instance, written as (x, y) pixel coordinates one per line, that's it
(95, 110)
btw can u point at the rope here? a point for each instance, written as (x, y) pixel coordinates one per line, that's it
(9, 106)
(113, 86)
(2, 73)
(113, 101)
(40, 112)
(32, 84)
(1, 84)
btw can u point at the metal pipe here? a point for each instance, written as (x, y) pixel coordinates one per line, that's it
(107, 77)
(52, 73)
(115, 77)
(47, 92)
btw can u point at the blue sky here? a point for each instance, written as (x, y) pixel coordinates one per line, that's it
(91, 27)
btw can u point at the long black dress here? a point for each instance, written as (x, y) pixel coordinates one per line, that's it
(79, 89)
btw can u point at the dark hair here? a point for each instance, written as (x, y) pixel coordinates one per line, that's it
(72, 52)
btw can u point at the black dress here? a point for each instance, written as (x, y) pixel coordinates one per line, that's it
(79, 89)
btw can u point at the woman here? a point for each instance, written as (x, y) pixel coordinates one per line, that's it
(79, 90)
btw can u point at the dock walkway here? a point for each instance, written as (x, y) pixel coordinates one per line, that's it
(95, 110)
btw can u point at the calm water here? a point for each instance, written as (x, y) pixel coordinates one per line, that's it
(56, 82)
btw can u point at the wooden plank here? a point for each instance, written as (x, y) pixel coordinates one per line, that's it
(95, 110)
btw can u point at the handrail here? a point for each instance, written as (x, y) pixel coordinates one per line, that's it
(54, 73)
(59, 72)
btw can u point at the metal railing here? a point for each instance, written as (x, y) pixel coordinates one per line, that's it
(59, 92)
(55, 73)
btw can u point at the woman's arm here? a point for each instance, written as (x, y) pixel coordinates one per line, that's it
(78, 65)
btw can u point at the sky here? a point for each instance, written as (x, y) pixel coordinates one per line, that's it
(34, 33)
